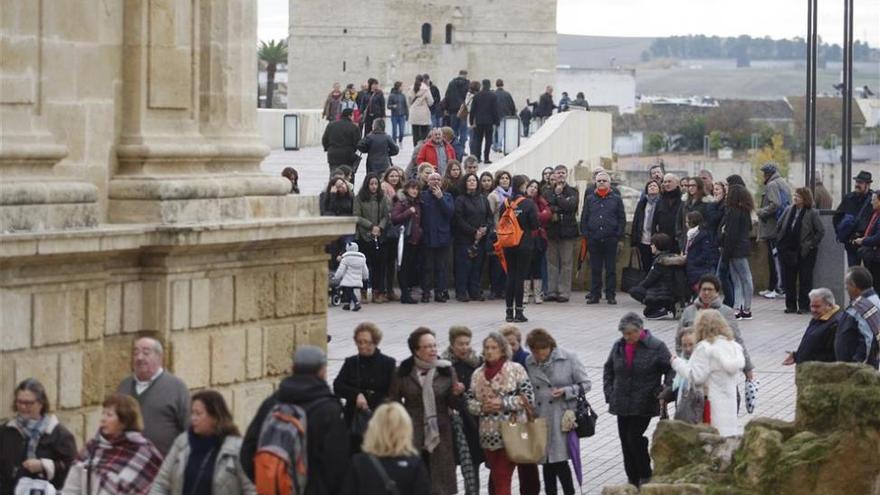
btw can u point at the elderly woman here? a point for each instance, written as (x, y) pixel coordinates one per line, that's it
(34, 444)
(636, 371)
(428, 387)
(364, 379)
(119, 459)
(557, 377)
(715, 363)
(500, 391)
(388, 442)
(205, 459)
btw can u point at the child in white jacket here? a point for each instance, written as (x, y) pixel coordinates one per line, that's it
(716, 363)
(351, 274)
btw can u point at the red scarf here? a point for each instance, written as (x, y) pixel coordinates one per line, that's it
(629, 350)
(871, 223)
(490, 369)
(602, 192)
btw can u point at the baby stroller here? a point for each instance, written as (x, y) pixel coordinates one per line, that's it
(334, 292)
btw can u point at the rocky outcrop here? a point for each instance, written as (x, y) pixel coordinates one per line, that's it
(832, 447)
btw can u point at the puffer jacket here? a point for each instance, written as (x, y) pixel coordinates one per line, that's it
(228, 477)
(771, 201)
(633, 390)
(667, 279)
(370, 213)
(702, 255)
(352, 270)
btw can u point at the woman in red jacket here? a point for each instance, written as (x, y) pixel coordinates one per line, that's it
(538, 270)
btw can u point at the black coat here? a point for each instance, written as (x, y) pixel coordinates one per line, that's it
(368, 375)
(857, 205)
(484, 109)
(527, 215)
(334, 205)
(545, 106)
(373, 105)
(564, 223)
(326, 433)
(702, 256)
(340, 141)
(408, 473)
(57, 444)
(455, 94)
(714, 215)
(504, 101)
(435, 94)
(603, 218)
(817, 344)
(379, 148)
(633, 391)
(472, 211)
(666, 281)
(736, 230)
(667, 214)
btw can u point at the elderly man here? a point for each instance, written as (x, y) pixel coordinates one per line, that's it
(562, 235)
(436, 151)
(603, 220)
(709, 297)
(864, 308)
(437, 210)
(668, 209)
(163, 398)
(708, 183)
(828, 322)
(327, 448)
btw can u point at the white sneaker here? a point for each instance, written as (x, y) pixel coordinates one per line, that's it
(771, 294)
(764, 292)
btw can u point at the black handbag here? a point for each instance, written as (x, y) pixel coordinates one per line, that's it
(632, 275)
(356, 162)
(869, 254)
(584, 415)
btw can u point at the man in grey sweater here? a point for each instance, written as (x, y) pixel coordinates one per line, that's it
(164, 398)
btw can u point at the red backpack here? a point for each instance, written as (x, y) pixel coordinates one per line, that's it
(508, 231)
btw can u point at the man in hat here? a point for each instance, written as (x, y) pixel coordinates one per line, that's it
(327, 441)
(851, 217)
(340, 140)
(775, 198)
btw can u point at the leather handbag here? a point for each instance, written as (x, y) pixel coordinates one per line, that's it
(584, 415)
(632, 274)
(525, 442)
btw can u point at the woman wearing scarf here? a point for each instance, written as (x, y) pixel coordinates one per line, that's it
(643, 222)
(205, 459)
(465, 361)
(33, 444)
(428, 387)
(497, 277)
(119, 459)
(636, 371)
(798, 235)
(499, 392)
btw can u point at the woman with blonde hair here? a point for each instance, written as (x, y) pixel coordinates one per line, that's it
(715, 363)
(388, 457)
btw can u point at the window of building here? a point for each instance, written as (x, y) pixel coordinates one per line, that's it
(426, 33)
(343, 66)
(449, 34)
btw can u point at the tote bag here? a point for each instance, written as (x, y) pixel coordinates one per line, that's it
(525, 442)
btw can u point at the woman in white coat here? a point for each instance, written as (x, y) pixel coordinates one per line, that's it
(420, 101)
(715, 364)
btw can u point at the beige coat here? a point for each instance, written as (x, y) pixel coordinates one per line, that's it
(229, 478)
(420, 106)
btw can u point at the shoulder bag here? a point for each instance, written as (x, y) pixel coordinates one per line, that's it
(584, 415)
(525, 442)
(390, 484)
(633, 273)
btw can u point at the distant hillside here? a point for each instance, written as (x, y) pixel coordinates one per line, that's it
(596, 52)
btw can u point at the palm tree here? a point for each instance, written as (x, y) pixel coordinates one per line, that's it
(272, 53)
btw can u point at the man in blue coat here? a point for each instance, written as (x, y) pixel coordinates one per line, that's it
(437, 210)
(602, 222)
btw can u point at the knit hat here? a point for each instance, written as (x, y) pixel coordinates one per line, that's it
(769, 168)
(351, 247)
(308, 360)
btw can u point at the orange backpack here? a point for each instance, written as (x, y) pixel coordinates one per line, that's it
(508, 230)
(280, 463)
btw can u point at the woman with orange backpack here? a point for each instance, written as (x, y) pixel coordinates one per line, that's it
(518, 215)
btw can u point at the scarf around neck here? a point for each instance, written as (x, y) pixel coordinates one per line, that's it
(125, 464)
(602, 193)
(492, 369)
(429, 403)
(502, 193)
(33, 429)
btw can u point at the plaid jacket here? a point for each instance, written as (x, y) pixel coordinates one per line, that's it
(127, 464)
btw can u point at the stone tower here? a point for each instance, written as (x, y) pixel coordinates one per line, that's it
(346, 41)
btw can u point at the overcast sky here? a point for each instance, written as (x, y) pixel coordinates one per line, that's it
(774, 18)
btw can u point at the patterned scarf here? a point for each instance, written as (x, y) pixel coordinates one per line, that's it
(432, 428)
(125, 464)
(33, 429)
(866, 309)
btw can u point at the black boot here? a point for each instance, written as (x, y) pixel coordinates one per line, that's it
(406, 297)
(426, 296)
(509, 315)
(520, 317)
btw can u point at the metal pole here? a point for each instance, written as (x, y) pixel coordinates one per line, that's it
(846, 124)
(814, 43)
(808, 99)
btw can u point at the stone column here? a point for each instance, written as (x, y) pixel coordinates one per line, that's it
(32, 198)
(189, 150)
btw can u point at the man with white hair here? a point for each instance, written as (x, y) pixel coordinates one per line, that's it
(437, 210)
(603, 220)
(828, 322)
(164, 398)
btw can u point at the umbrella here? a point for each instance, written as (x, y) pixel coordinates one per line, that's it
(582, 255)
(574, 453)
(400, 241)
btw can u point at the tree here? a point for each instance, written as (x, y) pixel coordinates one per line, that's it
(691, 134)
(656, 142)
(775, 152)
(272, 53)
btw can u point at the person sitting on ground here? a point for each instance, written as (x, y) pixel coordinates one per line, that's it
(665, 284)
(327, 445)
(700, 249)
(292, 175)
(829, 320)
(351, 274)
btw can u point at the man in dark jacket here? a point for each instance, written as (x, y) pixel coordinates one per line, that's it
(852, 214)
(326, 434)
(436, 108)
(437, 210)
(506, 108)
(340, 141)
(668, 209)
(603, 220)
(483, 117)
(562, 235)
(379, 148)
(373, 106)
(817, 344)
(456, 92)
(545, 106)
(525, 116)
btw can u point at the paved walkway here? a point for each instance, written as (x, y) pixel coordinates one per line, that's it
(588, 331)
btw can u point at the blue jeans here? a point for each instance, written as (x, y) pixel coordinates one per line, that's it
(496, 142)
(468, 271)
(743, 287)
(460, 128)
(398, 127)
(437, 120)
(603, 256)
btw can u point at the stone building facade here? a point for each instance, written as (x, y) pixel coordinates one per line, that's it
(346, 41)
(131, 203)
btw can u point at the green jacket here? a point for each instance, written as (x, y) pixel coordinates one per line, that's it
(369, 213)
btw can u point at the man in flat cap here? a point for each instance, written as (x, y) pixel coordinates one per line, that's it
(327, 439)
(852, 215)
